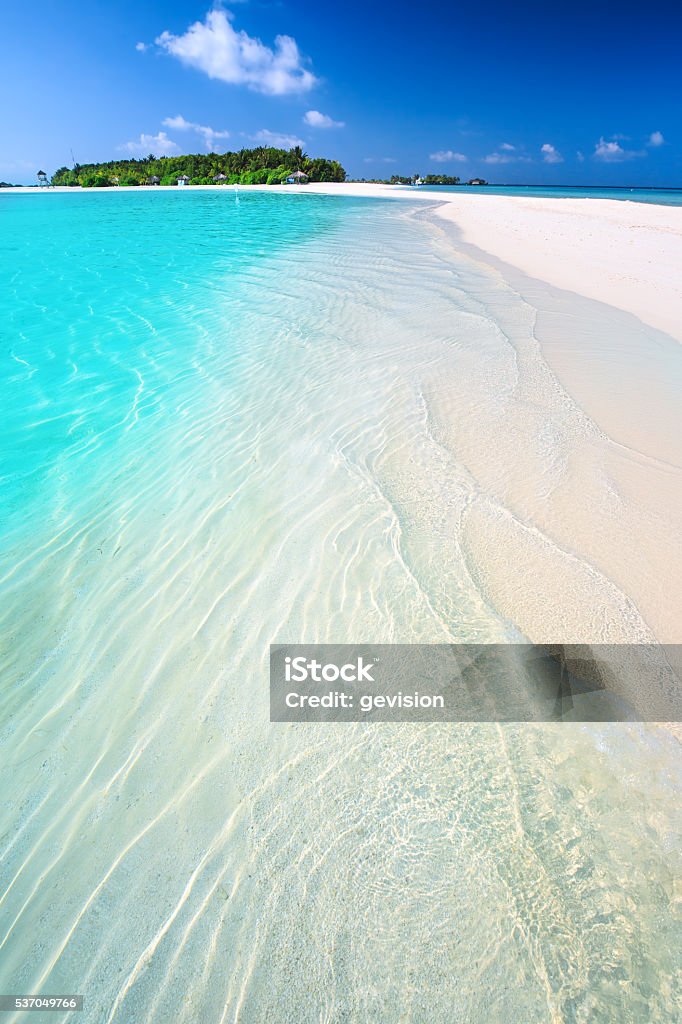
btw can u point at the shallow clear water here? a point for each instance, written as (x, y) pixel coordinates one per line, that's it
(233, 420)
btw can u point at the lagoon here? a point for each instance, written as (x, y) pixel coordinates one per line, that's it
(234, 419)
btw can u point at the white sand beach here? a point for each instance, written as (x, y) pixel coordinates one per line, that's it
(608, 525)
(626, 254)
(617, 505)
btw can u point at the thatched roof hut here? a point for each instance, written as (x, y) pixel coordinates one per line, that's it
(220, 177)
(153, 180)
(297, 178)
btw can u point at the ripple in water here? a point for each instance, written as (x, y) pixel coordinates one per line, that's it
(229, 424)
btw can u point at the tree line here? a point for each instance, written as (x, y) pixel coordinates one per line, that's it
(430, 179)
(264, 165)
(434, 179)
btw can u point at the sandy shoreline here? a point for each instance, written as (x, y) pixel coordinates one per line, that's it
(604, 525)
(626, 254)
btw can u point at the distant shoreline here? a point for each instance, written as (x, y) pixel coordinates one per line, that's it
(462, 187)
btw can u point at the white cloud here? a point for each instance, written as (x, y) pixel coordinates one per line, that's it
(159, 145)
(208, 134)
(141, 47)
(506, 158)
(380, 160)
(178, 122)
(508, 146)
(446, 156)
(279, 141)
(612, 152)
(216, 48)
(317, 120)
(581, 156)
(656, 139)
(551, 155)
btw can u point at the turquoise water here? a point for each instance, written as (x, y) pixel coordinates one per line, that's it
(659, 196)
(103, 309)
(230, 420)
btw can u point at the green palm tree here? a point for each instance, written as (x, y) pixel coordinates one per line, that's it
(298, 155)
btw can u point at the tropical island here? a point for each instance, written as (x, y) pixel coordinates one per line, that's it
(430, 179)
(416, 179)
(264, 165)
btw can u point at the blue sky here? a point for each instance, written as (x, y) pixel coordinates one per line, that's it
(538, 92)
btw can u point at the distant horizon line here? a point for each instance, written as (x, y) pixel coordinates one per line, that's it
(488, 184)
(528, 184)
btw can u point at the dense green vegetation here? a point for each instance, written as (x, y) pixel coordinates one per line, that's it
(430, 179)
(441, 179)
(262, 166)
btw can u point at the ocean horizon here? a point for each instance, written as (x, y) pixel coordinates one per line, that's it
(671, 196)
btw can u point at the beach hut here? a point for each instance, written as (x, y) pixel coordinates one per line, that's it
(297, 178)
(219, 178)
(42, 178)
(477, 181)
(183, 180)
(153, 180)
